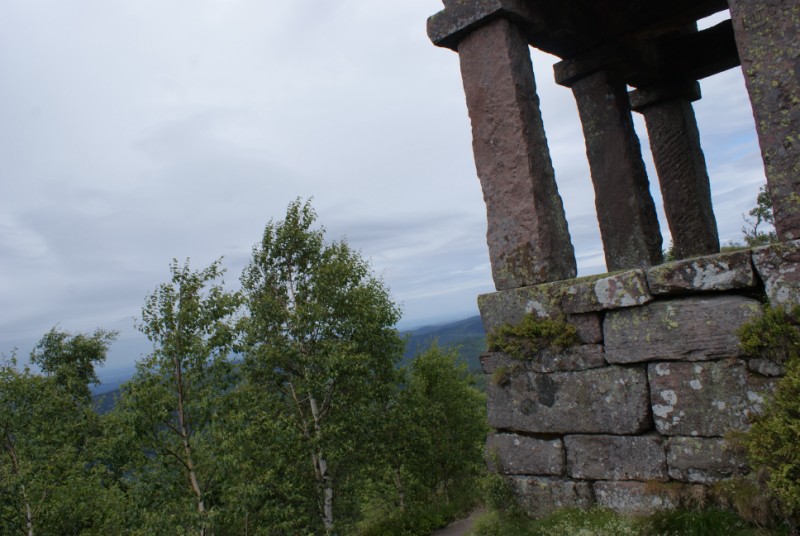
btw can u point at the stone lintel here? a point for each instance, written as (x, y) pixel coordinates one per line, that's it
(712, 273)
(701, 54)
(685, 90)
(768, 39)
(461, 17)
(527, 233)
(625, 209)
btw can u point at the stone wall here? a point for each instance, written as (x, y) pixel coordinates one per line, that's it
(651, 391)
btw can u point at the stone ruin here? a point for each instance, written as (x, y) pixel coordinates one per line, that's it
(658, 379)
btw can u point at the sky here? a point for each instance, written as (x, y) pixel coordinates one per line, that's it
(132, 133)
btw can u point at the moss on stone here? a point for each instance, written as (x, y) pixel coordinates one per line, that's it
(531, 336)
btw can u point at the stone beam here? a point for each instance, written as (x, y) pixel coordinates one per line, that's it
(681, 166)
(768, 38)
(701, 54)
(625, 209)
(527, 233)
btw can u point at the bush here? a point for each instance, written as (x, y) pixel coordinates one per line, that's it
(531, 336)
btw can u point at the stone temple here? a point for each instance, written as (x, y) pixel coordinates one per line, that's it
(658, 378)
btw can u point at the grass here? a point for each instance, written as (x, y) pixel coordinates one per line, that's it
(602, 522)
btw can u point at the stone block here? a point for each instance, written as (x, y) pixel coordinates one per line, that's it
(779, 268)
(765, 367)
(724, 271)
(626, 289)
(581, 357)
(589, 327)
(705, 399)
(639, 498)
(600, 401)
(693, 329)
(510, 306)
(513, 454)
(609, 457)
(702, 460)
(541, 496)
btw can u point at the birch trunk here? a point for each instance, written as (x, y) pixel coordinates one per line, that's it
(322, 471)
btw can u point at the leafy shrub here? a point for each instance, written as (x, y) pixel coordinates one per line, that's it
(532, 335)
(772, 442)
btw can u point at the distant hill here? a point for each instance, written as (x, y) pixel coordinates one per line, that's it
(467, 336)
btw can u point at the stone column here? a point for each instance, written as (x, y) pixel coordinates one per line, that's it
(625, 209)
(681, 166)
(528, 239)
(768, 39)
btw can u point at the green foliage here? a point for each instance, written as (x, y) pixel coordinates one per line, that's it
(49, 483)
(760, 215)
(320, 349)
(70, 359)
(772, 441)
(171, 412)
(532, 335)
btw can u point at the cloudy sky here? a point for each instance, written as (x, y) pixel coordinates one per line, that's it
(134, 132)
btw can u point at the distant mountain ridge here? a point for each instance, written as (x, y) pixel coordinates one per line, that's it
(467, 336)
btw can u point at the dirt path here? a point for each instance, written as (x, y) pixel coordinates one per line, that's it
(460, 527)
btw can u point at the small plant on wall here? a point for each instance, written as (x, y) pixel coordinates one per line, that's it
(531, 336)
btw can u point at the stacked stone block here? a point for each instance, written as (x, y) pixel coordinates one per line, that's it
(648, 395)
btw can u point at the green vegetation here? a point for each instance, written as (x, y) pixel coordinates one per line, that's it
(277, 410)
(771, 443)
(532, 335)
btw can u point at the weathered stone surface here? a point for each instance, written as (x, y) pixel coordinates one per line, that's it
(705, 399)
(779, 268)
(724, 271)
(766, 35)
(638, 498)
(603, 400)
(625, 210)
(527, 231)
(581, 357)
(519, 455)
(589, 327)
(682, 174)
(448, 27)
(765, 367)
(510, 306)
(608, 457)
(691, 329)
(702, 460)
(541, 496)
(627, 289)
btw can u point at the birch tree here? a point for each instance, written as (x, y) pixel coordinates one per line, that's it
(321, 348)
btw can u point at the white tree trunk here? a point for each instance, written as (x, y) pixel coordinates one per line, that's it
(322, 471)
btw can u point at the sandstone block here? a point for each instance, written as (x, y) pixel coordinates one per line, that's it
(626, 289)
(702, 460)
(724, 271)
(691, 329)
(705, 399)
(639, 498)
(765, 367)
(779, 268)
(601, 401)
(577, 358)
(541, 496)
(510, 306)
(589, 327)
(608, 457)
(512, 454)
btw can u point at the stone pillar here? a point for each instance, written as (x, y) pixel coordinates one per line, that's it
(528, 239)
(625, 209)
(768, 39)
(681, 166)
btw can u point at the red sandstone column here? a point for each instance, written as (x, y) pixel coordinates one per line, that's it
(528, 239)
(681, 166)
(625, 209)
(768, 38)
